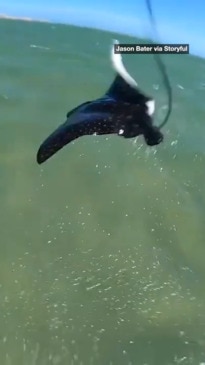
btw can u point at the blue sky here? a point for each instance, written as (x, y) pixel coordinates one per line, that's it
(178, 21)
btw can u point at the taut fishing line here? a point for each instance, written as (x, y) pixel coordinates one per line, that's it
(161, 66)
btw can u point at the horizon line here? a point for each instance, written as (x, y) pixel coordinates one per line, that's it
(47, 21)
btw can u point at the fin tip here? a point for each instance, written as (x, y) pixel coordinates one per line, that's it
(117, 63)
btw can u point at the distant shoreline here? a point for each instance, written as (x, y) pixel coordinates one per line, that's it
(26, 19)
(32, 20)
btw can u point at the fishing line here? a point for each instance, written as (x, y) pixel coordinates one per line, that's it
(161, 66)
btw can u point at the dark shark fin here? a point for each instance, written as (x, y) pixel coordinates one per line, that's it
(78, 124)
(120, 90)
(57, 140)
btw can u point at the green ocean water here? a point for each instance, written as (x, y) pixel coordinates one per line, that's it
(102, 254)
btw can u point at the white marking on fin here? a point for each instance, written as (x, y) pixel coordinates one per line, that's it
(151, 107)
(120, 68)
(180, 86)
(121, 131)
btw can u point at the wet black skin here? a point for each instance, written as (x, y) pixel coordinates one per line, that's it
(121, 111)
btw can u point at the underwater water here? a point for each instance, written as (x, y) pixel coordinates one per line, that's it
(102, 254)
